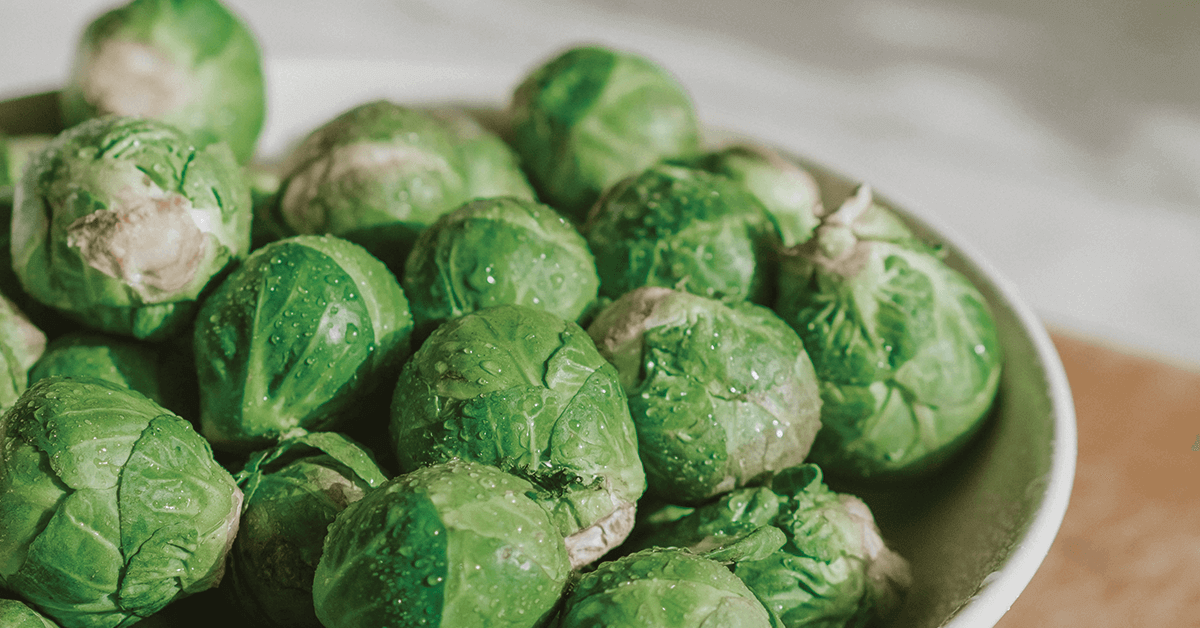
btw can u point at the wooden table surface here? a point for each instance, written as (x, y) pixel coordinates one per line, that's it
(1128, 552)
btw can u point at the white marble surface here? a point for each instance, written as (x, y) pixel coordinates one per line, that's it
(1059, 139)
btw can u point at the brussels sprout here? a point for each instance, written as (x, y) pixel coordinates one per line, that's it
(456, 544)
(499, 251)
(663, 588)
(16, 614)
(835, 569)
(785, 189)
(905, 347)
(293, 491)
(377, 174)
(192, 64)
(294, 338)
(592, 116)
(720, 394)
(522, 389)
(491, 167)
(121, 222)
(15, 153)
(123, 361)
(682, 228)
(111, 506)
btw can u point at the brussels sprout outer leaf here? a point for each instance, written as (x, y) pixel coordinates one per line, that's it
(717, 524)
(499, 251)
(663, 588)
(522, 389)
(760, 543)
(111, 506)
(16, 614)
(192, 64)
(710, 415)
(591, 116)
(294, 337)
(121, 222)
(458, 544)
(677, 227)
(336, 447)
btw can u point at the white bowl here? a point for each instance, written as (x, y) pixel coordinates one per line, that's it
(975, 534)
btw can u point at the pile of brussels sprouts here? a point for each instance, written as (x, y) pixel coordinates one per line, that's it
(577, 368)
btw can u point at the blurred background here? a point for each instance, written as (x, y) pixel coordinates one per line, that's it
(1060, 139)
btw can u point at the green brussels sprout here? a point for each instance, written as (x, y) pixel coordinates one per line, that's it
(192, 64)
(377, 174)
(491, 167)
(835, 569)
(721, 394)
(784, 188)
(121, 222)
(663, 588)
(296, 336)
(111, 506)
(592, 116)
(451, 545)
(905, 346)
(16, 151)
(17, 614)
(683, 228)
(524, 390)
(496, 251)
(292, 493)
(130, 363)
